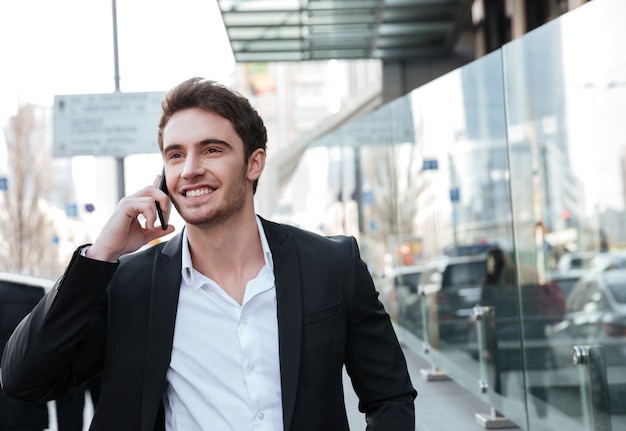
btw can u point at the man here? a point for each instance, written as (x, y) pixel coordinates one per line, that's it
(18, 295)
(236, 323)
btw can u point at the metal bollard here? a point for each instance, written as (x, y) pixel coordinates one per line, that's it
(482, 317)
(593, 387)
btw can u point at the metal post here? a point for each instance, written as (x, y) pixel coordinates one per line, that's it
(115, 52)
(433, 373)
(480, 315)
(424, 311)
(358, 189)
(119, 161)
(593, 387)
(485, 323)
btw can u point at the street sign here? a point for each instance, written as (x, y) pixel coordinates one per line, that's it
(113, 124)
(430, 165)
(71, 209)
(455, 195)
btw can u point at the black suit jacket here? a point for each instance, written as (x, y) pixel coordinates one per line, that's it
(118, 320)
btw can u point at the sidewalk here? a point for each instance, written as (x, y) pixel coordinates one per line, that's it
(439, 406)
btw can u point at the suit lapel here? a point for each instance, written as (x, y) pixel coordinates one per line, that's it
(289, 305)
(166, 278)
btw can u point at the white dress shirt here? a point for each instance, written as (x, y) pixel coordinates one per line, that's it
(224, 373)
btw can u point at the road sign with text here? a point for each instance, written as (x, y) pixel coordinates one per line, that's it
(113, 124)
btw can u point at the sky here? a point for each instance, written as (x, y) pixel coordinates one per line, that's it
(58, 47)
(64, 47)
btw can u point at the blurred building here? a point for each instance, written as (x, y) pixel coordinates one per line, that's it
(311, 67)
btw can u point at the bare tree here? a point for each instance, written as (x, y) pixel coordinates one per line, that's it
(393, 173)
(26, 229)
(396, 204)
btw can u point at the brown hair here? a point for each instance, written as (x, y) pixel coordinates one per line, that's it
(214, 97)
(498, 267)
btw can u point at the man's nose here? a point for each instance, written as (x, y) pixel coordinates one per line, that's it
(192, 166)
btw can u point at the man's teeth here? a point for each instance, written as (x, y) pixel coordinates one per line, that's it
(197, 192)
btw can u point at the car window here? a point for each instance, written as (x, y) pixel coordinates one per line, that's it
(469, 273)
(409, 280)
(585, 297)
(618, 262)
(431, 277)
(618, 290)
(580, 263)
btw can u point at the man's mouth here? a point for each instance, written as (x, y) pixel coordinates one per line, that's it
(197, 192)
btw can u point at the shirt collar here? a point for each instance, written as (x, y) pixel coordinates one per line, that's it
(187, 265)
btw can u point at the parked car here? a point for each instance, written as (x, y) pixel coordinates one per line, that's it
(576, 261)
(452, 287)
(18, 295)
(572, 267)
(565, 280)
(405, 284)
(460, 292)
(608, 260)
(400, 290)
(596, 316)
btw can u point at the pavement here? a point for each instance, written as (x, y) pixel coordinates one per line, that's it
(441, 405)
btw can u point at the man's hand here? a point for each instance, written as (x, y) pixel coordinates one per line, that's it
(123, 233)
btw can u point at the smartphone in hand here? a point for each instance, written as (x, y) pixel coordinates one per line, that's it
(163, 187)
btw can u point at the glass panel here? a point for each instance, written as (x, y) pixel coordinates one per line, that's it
(463, 210)
(499, 186)
(566, 98)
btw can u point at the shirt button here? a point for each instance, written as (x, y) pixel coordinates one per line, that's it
(244, 320)
(251, 367)
(261, 416)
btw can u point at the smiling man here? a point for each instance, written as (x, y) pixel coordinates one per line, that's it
(236, 323)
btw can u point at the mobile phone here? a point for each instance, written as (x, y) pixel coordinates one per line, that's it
(163, 187)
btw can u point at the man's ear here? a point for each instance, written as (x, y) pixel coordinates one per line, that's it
(256, 164)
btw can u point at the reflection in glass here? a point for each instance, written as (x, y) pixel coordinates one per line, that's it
(501, 184)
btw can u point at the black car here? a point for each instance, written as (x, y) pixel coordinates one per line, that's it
(450, 287)
(18, 295)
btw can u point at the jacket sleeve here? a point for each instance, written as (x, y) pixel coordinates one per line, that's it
(60, 344)
(374, 359)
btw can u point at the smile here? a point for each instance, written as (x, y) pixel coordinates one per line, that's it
(197, 192)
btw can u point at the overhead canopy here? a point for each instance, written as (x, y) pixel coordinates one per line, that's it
(299, 30)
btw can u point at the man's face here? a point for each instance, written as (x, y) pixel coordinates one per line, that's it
(207, 178)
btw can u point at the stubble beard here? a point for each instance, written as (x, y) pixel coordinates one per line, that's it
(234, 199)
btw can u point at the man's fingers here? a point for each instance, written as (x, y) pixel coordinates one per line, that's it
(157, 232)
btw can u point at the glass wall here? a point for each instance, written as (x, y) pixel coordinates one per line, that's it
(490, 206)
